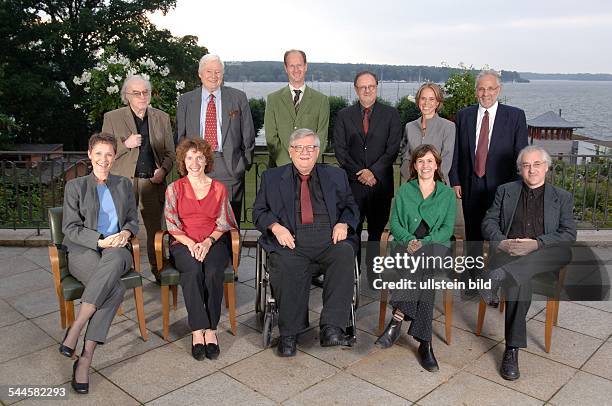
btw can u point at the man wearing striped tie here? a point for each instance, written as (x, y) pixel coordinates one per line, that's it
(222, 116)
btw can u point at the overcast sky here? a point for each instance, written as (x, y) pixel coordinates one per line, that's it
(536, 35)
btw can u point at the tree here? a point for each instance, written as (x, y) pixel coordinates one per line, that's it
(408, 110)
(258, 109)
(336, 103)
(460, 92)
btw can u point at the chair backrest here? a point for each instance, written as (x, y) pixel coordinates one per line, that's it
(55, 224)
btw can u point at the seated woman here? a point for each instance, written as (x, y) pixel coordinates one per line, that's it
(422, 222)
(198, 216)
(99, 217)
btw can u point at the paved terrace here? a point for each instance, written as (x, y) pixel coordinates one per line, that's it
(128, 371)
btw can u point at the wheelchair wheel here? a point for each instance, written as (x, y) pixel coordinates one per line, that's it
(268, 326)
(258, 281)
(356, 286)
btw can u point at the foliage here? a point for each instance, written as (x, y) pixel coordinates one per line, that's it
(408, 110)
(8, 131)
(101, 85)
(258, 109)
(336, 103)
(460, 92)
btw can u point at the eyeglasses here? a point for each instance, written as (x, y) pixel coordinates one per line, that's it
(362, 89)
(487, 89)
(136, 93)
(300, 148)
(535, 165)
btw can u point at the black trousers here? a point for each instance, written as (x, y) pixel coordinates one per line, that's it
(518, 286)
(290, 277)
(375, 206)
(202, 282)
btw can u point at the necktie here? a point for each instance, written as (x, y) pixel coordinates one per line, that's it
(305, 202)
(366, 120)
(296, 99)
(483, 146)
(210, 124)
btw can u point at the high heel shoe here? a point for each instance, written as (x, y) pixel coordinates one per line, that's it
(65, 350)
(81, 388)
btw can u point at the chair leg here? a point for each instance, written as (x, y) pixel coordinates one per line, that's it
(550, 313)
(140, 312)
(384, 293)
(165, 292)
(69, 305)
(230, 302)
(482, 311)
(62, 307)
(120, 311)
(448, 314)
(225, 293)
(502, 304)
(556, 315)
(174, 291)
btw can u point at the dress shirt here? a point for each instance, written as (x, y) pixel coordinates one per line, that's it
(204, 107)
(291, 90)
(481, 110)
(319, 210)
(145, 165)
(528, 221)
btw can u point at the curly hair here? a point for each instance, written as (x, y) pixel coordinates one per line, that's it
(420, 152)
(200, 146)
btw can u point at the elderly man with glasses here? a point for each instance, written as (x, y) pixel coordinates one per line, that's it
(526, 240)
(307, 215)
(145, 152)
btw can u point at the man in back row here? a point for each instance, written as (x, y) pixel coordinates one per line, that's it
(292, 107)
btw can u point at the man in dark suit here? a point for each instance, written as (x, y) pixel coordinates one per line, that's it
(306, 214)
(367, 138)
(489, 138)
(145, 152)
(222, 116)
(527, 240)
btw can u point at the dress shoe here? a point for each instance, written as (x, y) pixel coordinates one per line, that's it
(212, 350)
(509, 368)
(390, 335)
(331, 336)
(427, 359)
(287, 346)
(490, 296)
(65, 350)
(198, 351)
(81, 388)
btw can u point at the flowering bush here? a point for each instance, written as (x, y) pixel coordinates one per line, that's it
(102, 84)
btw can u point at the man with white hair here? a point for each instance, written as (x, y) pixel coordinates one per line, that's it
(527, 240)
(221, 116)
(145, 152)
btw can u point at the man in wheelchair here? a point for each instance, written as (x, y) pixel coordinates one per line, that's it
(307, 215)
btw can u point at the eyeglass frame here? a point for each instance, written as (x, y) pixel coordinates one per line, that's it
(136, 93)
(534, 165)
(300, 148)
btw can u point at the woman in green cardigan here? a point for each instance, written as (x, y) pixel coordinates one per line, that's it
(422, 223)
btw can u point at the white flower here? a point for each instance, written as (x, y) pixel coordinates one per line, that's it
(145, 76)
(77, 81)
(131, 72)
(180, 85)
(111, 78)
(77, 106)
(112, 89)
(118, 78)
(123, 60)
(112, 59)
(147, 63)
(86, 77)
(164, 71)
(86, 89)
(411, 98)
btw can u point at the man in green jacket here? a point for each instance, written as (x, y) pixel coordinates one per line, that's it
(292, 107)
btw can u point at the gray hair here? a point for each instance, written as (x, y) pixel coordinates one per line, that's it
(303, 133)
(209, 58)
(488, 72)
(533, 148)
(129, 80)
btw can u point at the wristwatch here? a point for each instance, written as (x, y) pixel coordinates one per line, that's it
(212, 239)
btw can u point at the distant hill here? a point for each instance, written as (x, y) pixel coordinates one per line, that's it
(271, 71)
(567, 76)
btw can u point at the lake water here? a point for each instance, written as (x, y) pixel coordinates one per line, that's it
(587, 103)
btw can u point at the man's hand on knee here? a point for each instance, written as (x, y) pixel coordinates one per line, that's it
(283, 235)
(339, 232)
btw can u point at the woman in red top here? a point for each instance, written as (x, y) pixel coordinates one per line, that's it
(198, 216)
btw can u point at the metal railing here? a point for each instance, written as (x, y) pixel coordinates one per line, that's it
(32, 181)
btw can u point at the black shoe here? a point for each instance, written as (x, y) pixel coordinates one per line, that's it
(318, 280)
(427, 359)
(198, 351)
(65, 350)
(509, 368)
(81, 388)
(212, 350)
(390, 335)
(287, 346)
(331, 336)
(490, 296)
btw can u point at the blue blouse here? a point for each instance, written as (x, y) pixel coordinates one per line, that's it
(108, 222)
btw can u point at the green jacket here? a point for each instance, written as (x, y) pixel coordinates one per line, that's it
(281, 120)
(438, 211)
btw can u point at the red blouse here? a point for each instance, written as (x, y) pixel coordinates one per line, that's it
(197, 219)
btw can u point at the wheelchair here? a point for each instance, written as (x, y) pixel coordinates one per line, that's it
(266, 307)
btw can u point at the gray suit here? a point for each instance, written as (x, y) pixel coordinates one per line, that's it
(237, 132)
(554, 251)
(100, 272)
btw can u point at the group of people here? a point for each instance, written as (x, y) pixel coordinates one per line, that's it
(310, 213)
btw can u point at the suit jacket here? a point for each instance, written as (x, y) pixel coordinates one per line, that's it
(281, 120)
(508, 137)
(559, 224)
(375, 151)
(81, 207)
(275, 202)
(120, 123)
(237, 129)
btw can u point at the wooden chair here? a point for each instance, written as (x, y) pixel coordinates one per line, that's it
(69, 289)
(170, 278)
(384, 296)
